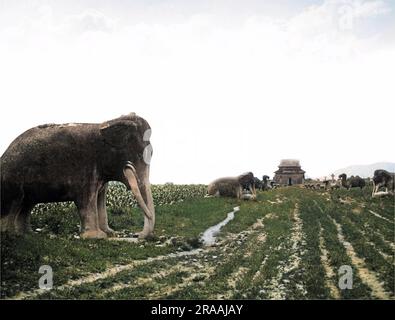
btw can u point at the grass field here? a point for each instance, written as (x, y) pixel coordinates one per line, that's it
(289, 244)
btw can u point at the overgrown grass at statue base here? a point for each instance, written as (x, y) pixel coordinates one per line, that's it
(286, 245)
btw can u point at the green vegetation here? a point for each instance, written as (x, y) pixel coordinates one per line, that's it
(272, 249)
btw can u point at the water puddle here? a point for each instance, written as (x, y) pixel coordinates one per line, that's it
(209, 236)
(128, 239)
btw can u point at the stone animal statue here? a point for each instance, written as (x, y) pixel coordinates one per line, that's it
(258, 184)
(233, 186)
(335, 184)
(352, 182)
(75, 162)
(274, 185)
(383, 179)
(265, 183)
(332, 185)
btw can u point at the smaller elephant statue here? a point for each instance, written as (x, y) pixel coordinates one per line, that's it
(75, 162)
(233, 186)
(265, 183)
(352, 182)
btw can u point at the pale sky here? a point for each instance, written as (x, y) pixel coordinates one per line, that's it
(227, 87)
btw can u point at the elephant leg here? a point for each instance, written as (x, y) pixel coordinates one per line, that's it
(8, 219)
(147, 229)
(239, 192)
(149, 224)
(253, 191)
(87, 209)
(10, 207)
(22, 219)
(102, 212)
(212, 190)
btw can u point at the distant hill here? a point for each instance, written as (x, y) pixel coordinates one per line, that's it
(365, 171)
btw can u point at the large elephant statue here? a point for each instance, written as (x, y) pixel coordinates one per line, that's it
(75, 162)
(233, 186)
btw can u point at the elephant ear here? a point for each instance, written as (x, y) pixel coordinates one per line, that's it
(118, 133)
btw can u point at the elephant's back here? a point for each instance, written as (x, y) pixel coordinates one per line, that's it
(48, 135)
(225, 180)
(357, 182)
(45, 145)
(18, 147)
(223, 186)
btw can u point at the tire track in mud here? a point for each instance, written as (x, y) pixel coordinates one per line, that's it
(367, 276)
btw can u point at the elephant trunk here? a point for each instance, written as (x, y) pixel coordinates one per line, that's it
(141, 189)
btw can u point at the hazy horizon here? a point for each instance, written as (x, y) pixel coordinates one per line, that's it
(227, 88)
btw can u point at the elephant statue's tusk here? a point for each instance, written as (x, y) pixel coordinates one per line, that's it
(130, 173)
